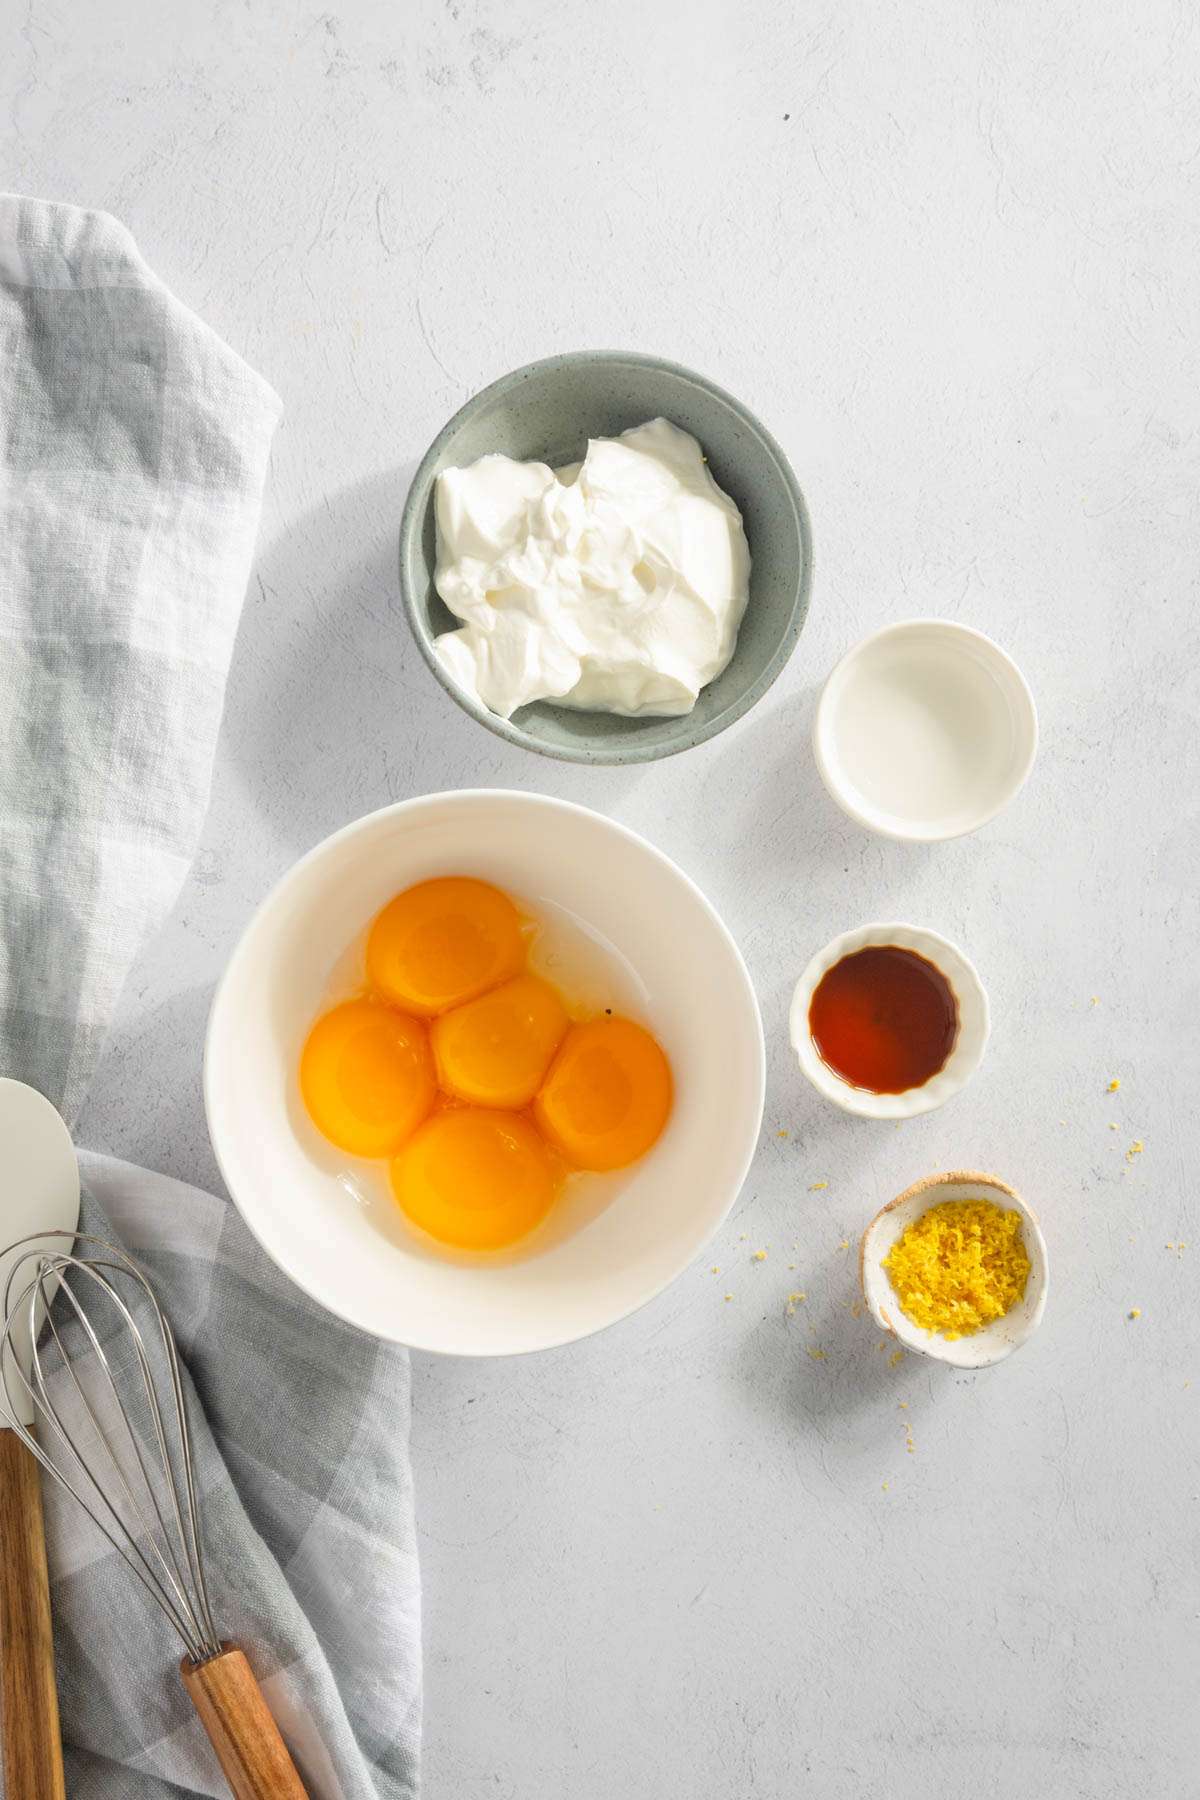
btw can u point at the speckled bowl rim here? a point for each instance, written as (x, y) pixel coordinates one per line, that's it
(622, 751)
(974, 1022)
(930, 1343)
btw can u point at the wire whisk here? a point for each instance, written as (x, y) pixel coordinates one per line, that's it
(98, 1455)
(111, 1428)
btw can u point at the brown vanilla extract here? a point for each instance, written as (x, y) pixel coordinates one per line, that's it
(884, 1019)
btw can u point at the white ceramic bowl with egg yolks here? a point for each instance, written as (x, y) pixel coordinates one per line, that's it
(925, 730)
(604, 1251)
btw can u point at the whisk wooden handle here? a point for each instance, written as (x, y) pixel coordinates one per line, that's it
(252, 1755)
(33, 1767)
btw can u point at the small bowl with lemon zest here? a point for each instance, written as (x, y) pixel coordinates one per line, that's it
(955, 1268)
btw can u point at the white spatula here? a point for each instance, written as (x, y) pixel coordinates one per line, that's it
(39, 1192)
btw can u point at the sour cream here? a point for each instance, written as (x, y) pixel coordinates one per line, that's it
(616, 585)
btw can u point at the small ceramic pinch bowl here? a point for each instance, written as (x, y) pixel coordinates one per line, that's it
(611, 1242)
(970, 1000)
(996, 1340)
(924, 731)
(546, 412)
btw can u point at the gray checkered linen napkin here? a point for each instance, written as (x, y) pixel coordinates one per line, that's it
(133, 449)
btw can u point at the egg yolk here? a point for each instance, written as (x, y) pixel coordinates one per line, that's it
(607, 1096)
(475, 1179)
(495, 1050)
(443, 942)
(367, 1077)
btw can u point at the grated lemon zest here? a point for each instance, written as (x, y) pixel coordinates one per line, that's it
(958, 1266)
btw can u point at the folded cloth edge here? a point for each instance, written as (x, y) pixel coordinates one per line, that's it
(79, 233)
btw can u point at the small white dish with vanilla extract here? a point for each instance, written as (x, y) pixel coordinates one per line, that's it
(889, 1021)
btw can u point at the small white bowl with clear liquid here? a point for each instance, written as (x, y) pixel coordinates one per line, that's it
(925, 731)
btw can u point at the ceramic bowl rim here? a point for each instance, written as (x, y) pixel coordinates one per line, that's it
(412, 520)
(891, 825)
(974, 1022)
(273, 899)
(929, 1343)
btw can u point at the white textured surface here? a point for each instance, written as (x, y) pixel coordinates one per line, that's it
(951, 254)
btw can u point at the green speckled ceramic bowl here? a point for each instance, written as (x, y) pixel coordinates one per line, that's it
(547, 412)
